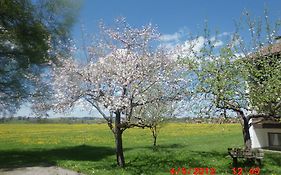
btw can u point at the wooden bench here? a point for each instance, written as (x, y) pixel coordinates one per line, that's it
(253, 155)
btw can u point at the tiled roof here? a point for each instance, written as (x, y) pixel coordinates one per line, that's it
(267, 51)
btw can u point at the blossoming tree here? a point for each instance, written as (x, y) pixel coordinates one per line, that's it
(156, 114)
(123, 67)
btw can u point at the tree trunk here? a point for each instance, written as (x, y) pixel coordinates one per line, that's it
(118, 141)
(154, 141)
(246, 132)
(154, 134)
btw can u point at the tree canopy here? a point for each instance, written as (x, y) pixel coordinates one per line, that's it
(242, 77)
(29, 32)
(122, 73)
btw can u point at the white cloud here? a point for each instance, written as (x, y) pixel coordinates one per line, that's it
(218, 43)
(188, 48)
(170, 41)
(177, 44)
(240, 55)
(197, 43)
(217, 40)
(170, 37)
(168, 46)
(219, 36)
(224, 34)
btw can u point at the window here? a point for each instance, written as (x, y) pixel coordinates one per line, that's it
(274, 139)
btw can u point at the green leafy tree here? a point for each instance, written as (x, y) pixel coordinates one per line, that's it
(262, 62)
(28, 39)
(242, 77)
(58, 16)
(222, 82)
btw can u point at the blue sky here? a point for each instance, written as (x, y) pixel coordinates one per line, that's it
(173, 18)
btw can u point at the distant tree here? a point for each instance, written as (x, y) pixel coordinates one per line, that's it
(28, 37)
(154, 115)
(123, 68)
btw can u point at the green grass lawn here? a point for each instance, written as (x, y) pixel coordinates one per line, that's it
(90, 148)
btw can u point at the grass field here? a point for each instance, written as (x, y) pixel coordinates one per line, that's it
(89, 148)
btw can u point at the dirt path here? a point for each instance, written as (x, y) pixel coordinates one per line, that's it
(52, 170)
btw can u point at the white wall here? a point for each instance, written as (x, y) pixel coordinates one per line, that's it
(259, 136)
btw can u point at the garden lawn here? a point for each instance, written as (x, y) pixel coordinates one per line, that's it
(89, 148)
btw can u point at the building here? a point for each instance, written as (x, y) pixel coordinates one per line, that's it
(265, 134)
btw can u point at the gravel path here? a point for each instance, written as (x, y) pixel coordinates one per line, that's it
(52, 170)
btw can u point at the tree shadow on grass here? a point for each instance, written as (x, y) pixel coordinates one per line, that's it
(145, 160)
(46, 157)
(139, 160)
(162, 147)
(151, 164)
